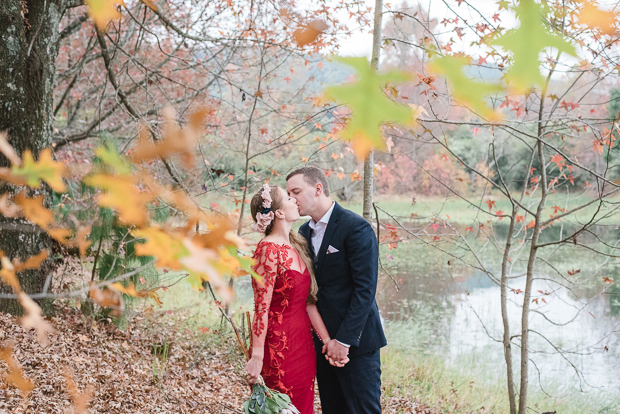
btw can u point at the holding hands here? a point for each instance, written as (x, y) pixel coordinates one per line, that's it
(336, 353)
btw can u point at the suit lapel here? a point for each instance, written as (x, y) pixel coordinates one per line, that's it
(329, 232)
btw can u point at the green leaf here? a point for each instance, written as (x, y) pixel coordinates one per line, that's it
(370, 107)
(526, 43)
(108, 155)
(45, 169)
(466, 91)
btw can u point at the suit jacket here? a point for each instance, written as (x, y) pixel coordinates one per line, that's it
(347, 281)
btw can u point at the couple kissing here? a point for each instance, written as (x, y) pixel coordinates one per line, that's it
(315, 313)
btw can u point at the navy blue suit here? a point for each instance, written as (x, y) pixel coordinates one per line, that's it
(347, 281)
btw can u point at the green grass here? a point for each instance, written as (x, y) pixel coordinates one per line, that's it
(464, 386)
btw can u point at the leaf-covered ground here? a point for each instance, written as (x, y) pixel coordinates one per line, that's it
(127, 369)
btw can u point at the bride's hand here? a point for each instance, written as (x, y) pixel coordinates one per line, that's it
(253, 368)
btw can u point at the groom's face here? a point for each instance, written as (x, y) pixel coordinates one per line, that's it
(304, 193)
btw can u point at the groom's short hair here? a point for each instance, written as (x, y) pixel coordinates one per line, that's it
(312, 176)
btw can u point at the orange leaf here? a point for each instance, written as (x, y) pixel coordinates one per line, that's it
(7, 273)
(8, 150)
(6, 209)
(310, 32)
(106, 298)
(31, 263)
(592, 16)
(150, 5)
(102, 11)
(175, 140)
(80, 400)
(33, 319)
(34, 210)
(60, 234)
(15, 375)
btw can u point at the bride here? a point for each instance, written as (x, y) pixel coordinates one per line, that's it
(284, 302)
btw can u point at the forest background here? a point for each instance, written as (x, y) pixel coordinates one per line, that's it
(484, 155)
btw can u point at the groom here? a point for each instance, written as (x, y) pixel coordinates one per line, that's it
(346, 255)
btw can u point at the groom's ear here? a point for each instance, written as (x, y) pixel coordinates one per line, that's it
(318, 189)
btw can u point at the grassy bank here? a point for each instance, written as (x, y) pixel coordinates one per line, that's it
(464, 386)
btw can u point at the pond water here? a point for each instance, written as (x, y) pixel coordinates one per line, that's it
(454, 312)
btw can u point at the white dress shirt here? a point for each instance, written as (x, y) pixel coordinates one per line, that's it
(318, 229)
(318, 232)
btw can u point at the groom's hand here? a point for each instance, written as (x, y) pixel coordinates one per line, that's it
(336, 352)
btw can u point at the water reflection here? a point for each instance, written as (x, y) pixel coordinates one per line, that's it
(455, 312)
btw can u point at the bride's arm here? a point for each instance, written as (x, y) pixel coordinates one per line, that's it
(317, 323)
(263, 291)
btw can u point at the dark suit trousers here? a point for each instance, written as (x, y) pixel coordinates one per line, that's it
(352, 389)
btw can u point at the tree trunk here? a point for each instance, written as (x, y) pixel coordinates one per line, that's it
(370, 160)
(28, 49)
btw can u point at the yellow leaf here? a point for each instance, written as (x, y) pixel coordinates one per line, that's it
(45, 169)
(102, 11)
(122, 195)
(33, 318)
(166, 246)
(15, 375)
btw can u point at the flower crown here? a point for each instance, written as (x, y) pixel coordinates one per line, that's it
(265, 216)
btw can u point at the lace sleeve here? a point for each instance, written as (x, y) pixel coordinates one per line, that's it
(267, 267)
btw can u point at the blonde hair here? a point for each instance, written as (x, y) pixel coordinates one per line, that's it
(298, 242)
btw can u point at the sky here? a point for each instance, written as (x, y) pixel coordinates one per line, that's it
(360, 44)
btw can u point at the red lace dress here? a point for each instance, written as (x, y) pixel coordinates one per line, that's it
(289, 365)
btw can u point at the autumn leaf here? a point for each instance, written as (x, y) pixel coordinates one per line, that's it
(106, 298)
(573, 272)
(108, 155)
(102, 11)
(32, 262)
(81, 241)
(122, 195)
(201, 269)
(7, 273)
(45, 169)
(7, 209)
(80, 400)
(175, 141)
(165, 245)
(15, 375)
(33, 318)
(370, 107)
(150, 4)
(465, 90)
(8, 150)
(34, 210)
(592, 16)
(309, 32)
(526, 43)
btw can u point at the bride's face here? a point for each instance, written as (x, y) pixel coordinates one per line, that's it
(289, 207)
